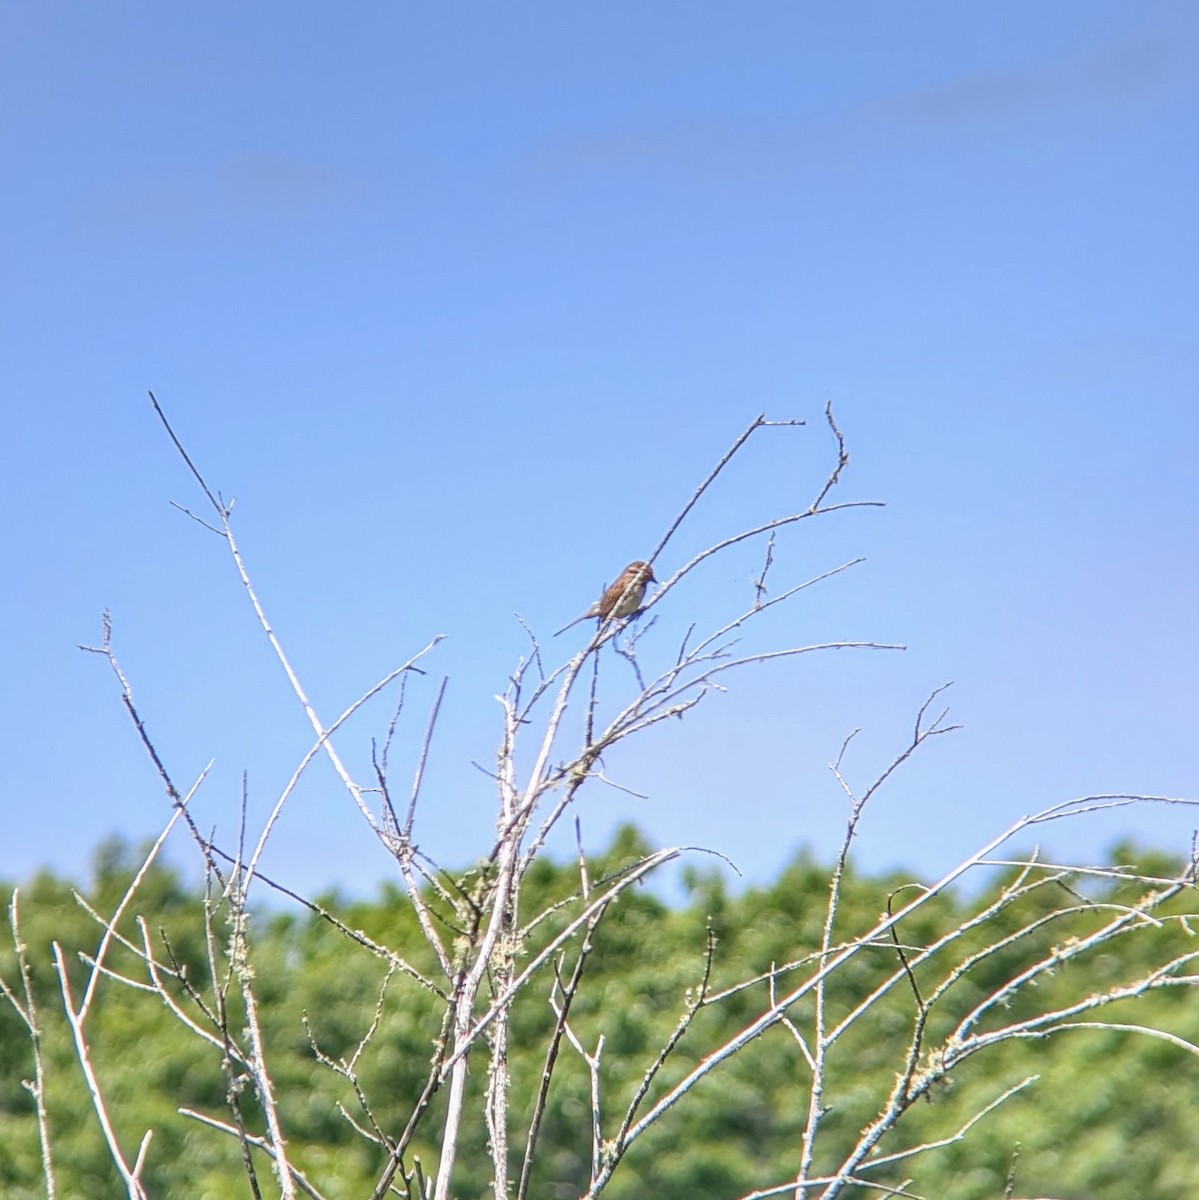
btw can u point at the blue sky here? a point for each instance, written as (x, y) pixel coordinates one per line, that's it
(462, 303)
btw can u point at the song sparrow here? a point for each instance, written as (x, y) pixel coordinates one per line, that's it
(623, 598)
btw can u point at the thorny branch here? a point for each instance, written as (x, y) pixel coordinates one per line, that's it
(490, 956)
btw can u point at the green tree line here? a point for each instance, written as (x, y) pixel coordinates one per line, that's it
(1107, 1117)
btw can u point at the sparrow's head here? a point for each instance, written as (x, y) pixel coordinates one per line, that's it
(640, 571)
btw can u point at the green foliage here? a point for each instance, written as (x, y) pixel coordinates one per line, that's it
(1107, 1118)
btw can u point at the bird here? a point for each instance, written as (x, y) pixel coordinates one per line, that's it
(623, 598)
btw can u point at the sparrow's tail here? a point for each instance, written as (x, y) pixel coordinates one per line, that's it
(571, 624)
